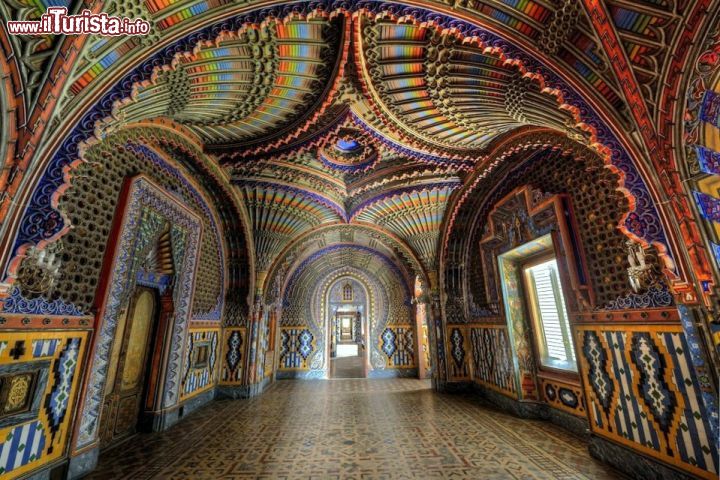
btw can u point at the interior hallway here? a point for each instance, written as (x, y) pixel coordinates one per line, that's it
(395, 428)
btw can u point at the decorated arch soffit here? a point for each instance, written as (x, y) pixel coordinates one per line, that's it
(352, 113)
(699, 144)
(375, 243)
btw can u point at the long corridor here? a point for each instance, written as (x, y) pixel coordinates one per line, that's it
(349, 429)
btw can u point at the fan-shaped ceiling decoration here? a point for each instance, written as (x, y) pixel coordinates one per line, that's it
(349, 118)
(360, 114)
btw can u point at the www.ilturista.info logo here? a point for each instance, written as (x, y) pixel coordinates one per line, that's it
(56, 21)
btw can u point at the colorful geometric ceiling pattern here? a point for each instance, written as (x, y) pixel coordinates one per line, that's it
(278, 215)
(242, 85)
(363, 113)
(415, 216)
(449, 91)
(348, 118)
(560, 29)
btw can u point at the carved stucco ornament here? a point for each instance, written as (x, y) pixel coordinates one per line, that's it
(641, 273)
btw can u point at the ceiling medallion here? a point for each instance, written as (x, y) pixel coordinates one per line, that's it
(348, 149)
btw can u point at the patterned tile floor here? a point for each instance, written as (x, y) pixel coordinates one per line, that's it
(354, 429)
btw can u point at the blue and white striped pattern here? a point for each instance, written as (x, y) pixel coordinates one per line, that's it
(44, 347)
(24, 444)
(655, 397)
(631, 420)
(195, 379)
(694, 439)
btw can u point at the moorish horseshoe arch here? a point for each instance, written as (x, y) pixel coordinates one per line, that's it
(311, 288)
(297, 251)
(378, 323)
(550, 105)
(368, 316)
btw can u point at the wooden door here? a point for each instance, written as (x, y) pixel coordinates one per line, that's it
(127, 372)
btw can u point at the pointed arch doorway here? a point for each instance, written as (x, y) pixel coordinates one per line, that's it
(347, 311)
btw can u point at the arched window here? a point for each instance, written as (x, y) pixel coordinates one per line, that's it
(347, 292)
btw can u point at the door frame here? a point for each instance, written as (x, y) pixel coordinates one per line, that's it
(331, 317)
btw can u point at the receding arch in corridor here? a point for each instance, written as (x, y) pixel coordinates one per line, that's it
(390, 338)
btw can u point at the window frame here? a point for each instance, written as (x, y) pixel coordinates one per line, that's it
(531, 307)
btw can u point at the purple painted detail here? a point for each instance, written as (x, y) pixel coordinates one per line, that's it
(709, 206)
(710, 108)
(709, 160)
(357, 167)
(404, 150)
(332, 248)
(399, 191)
(153, 280)
(298, 191)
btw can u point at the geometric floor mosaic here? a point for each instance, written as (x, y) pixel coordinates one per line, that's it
(353, 429)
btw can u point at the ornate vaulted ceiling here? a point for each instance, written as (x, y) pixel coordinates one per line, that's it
(371, 115)
(347, 118)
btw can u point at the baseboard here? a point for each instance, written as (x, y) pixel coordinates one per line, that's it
(301, 374)
(54, 470)
(635, 465)
(242, 391)
(536, 410)
(393, 373)
(625, 460)
(161, 421)
(83, 464)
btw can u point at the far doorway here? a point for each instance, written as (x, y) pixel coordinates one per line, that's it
(346, 311)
